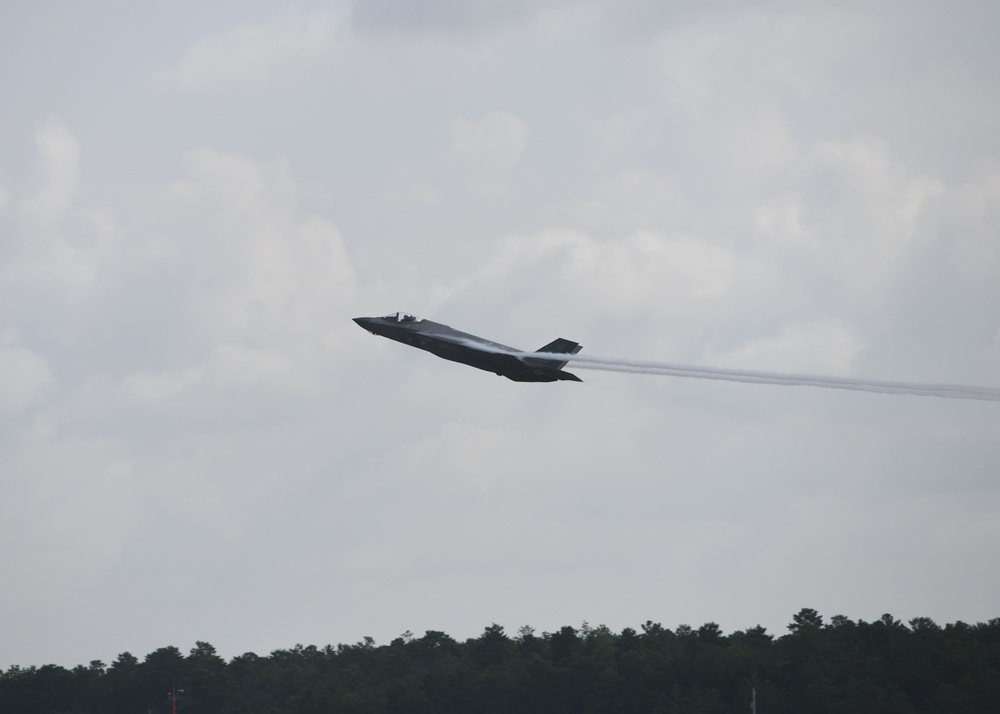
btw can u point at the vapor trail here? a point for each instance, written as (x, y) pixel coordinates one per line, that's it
(668, 369)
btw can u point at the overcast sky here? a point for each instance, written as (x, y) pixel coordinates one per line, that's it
(196, 442)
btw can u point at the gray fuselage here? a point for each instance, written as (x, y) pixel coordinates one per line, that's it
(457, 346)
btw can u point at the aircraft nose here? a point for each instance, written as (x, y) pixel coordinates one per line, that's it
(367, 323)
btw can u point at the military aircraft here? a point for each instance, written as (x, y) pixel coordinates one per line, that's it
(456, 346)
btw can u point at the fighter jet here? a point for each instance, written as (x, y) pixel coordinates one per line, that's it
(456, 346)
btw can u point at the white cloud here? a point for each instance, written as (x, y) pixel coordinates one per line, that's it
(740, 63)
(824, 346)
(59, 175)
(446, 16)
(946, 99)
(250, 53)
(44, 254)
(734, 79)
(229, 368)
(409, 188)
(262, 264)
(478, 161)
(491, 144)
(853, 214)
(650, 267)
(68, 513)
(262, 293)
(609, 135)
(24, 375)
(645, 273)
(633, 199)
(482, 150)
(966, 219)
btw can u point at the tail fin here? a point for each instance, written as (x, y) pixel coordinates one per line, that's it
(559, 346)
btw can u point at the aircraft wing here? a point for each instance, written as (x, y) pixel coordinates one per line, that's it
(476, 343)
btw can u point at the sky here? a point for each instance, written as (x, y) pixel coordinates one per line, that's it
(197, 443)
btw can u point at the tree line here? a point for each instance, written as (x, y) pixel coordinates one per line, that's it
(816, 667)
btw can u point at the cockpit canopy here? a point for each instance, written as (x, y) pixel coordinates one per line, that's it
(403, 317)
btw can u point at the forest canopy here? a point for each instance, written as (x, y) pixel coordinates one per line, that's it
(817, 666)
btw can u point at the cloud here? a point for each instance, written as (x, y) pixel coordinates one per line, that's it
(491, 144)
(250, 53)
(610, 134)
(236, 311)
(743, 61)
(451, 16)
(482, 150)
(58, 173)
(947, 99)
(478, 159)
(648, 294)
(853, 214)
(24, 375)
(229, 368)
(42, 253)
(644, 268)
(946, 291)
(826, 346)
(966, 219)
(70, 501)
(215, 303)
(67, 513)
(261, 264)
(735, 80)
(633, 199)
(408, 188)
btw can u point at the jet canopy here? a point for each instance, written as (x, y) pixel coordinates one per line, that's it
(403, 317)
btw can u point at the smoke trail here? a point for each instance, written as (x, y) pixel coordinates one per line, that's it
(953, 391)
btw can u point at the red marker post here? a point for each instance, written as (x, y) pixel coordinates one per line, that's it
(173, 696)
